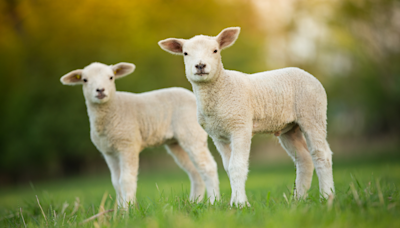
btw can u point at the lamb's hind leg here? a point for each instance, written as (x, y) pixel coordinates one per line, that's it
(321, 155)
(182, 159)
(295, 145)
(205, 164)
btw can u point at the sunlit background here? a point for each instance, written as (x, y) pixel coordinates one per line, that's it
(352, 47)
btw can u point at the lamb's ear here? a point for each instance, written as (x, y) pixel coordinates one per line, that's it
(122, 69)
(172, 45)
(72, 78)
(227, 37)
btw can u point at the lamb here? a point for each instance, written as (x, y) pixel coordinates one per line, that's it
(122, 124)
(232, 106)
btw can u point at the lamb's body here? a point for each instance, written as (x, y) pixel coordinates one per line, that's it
(146, 120)
(275, 100)
(233, 106)
(122, 124)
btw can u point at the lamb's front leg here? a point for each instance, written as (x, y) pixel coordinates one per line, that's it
(129, 165)
(238, 166)
(112, 160)
(224, 150)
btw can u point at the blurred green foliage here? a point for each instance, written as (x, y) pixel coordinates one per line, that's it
(45, 126)
(351, 46)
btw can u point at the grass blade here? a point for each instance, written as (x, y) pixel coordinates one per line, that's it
(355, 194)
(44, 215)
(380, 195)
(22, 216)
(95, 216)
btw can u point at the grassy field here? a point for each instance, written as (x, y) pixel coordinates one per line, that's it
(367, 195)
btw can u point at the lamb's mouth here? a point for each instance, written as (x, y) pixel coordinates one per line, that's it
(201, 74)
(101, 96)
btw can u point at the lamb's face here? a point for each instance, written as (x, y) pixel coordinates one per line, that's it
(201, 57)
(98, 83)
(201, 53)
(98, 80)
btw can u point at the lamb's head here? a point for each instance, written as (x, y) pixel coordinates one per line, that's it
(98, 80)
(201, 53)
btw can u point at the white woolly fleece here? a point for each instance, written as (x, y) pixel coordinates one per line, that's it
(122, 124)
(232, 106)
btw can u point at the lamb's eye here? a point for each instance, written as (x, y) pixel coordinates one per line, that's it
(215, 51)
(84, 80)
(185, 53)
(111, 78)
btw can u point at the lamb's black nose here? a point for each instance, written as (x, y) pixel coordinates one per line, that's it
(200, 66)
(100, 90)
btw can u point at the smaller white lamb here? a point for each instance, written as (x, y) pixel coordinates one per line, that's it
(233, 106)
(122, 124)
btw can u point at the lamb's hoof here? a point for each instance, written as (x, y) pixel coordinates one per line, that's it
(300, 196)
(214, 199)
(240, 205)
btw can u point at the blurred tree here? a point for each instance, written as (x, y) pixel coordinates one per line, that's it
(45, 130)
(374, 27)
(352, 47)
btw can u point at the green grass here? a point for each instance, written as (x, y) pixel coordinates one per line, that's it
(367, 195)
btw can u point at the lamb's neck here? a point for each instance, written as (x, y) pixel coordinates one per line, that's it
(209, 94)
(100, 115)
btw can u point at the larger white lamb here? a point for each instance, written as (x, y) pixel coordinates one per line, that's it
(232, 106)
(122, 124)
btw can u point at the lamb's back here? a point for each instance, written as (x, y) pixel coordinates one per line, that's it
(282, 95)
(157, 112)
